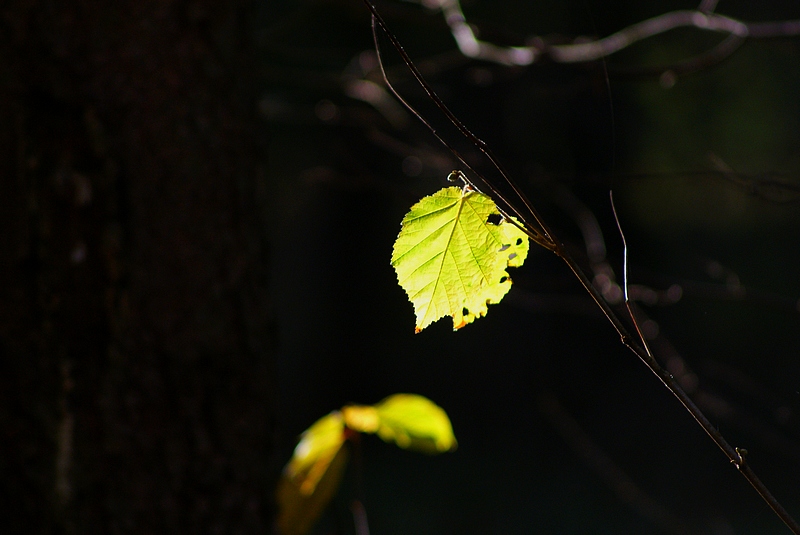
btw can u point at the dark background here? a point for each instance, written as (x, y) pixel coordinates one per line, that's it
(198, 217)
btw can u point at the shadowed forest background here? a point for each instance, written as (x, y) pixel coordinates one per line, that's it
(198, 205)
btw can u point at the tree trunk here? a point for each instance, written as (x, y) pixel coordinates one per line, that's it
(136, 392)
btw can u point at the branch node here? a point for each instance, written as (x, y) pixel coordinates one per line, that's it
(742, 454)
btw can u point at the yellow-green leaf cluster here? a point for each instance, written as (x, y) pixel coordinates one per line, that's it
(313, 474)
(452, 254)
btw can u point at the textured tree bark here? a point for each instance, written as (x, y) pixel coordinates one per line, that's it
(135, 332)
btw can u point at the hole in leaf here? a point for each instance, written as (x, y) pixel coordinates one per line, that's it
(494, 219)
(519, 241)
(512, 256)
(504, 247)
(465, 311)
(503, 279)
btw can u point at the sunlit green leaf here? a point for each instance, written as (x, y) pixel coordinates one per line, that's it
(414, 422)
(317, 447)
(452, 253)
(312, 476)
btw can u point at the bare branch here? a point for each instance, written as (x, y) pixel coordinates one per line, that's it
(628, 305)
(583, 50)
(601, 48)
(471, 47)
(766, 188)
(774, 29)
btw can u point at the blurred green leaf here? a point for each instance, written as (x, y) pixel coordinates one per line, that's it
(415, 422)
(312, 476)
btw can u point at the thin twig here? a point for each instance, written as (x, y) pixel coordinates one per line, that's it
(735, 455)
(625, 278)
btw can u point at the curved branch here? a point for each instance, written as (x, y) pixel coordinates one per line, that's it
(593, 50)
(584, 50)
